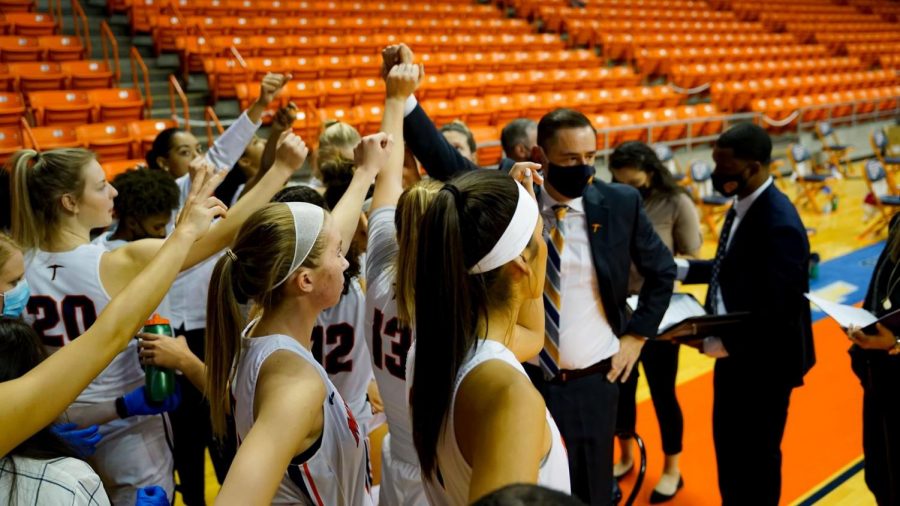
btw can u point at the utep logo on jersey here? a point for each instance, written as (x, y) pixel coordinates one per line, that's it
(351, 422)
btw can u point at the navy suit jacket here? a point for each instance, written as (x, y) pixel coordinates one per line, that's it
(619, 231)
(766, 272)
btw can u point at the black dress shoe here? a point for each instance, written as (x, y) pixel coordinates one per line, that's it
(657, 498)
(628, 471)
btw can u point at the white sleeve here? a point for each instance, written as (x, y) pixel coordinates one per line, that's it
(229, 147)
(410, 104)
(682, 267)
(382, 249)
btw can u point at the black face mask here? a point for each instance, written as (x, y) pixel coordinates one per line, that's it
(570, 181)
(720, 180)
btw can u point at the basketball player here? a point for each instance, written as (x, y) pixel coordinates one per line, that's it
(478, 423)
(59, 197)
(299, 442)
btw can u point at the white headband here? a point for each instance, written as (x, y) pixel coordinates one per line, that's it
(514, 238)
(308, 222)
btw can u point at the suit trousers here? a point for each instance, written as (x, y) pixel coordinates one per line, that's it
(585, 412)
(749, 415)
(660, 361)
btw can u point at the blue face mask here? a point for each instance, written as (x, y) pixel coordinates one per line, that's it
(14, 300)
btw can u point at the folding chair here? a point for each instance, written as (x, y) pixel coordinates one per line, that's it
(712, 206)
(838, 154)
(881, 147)
(810, 183)
(885, 199)
(667, 157)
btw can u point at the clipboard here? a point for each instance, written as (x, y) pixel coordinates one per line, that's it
(686, 320)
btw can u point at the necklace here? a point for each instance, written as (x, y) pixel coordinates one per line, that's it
(886, 301)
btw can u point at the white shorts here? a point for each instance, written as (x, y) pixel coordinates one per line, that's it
(401, 482)
(134, 453)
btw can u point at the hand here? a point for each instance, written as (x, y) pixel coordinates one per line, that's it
(164, 351)
(527, 174)
(883, 340)
(373, 151)
(623, 362)
(151, 496)
(270, 86)
(403, 79)
(292, 151)
(284, 118)
(394, 55)
(201, 208)
(84, 441)
(137, 402)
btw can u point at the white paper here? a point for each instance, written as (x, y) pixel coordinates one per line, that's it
(843, 314)
(681, 307)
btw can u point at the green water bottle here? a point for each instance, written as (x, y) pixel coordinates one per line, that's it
(160, 382)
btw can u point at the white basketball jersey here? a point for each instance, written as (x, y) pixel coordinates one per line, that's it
(105, 241)
(455, 473)
(338, 344)
(66, 298)
(334, 471)
(388, 342)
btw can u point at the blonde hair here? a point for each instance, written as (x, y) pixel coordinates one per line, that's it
(261, 256)
(411, 209)
(7, 246)
(39, 181)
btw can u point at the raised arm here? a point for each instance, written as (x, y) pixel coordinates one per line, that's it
(288, 420)
(400, 84)
(371, 155)
(119, 266)
(69, 371)
(282, 122)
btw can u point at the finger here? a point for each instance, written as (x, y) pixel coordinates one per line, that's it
(149, 337)
(612, 375)
(627, 373)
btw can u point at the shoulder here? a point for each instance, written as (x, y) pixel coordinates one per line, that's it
(291, 379)
(495, 385)
(64, 475)
(615, 194)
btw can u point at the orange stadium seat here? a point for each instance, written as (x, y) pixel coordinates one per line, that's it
(90, 74)
(111, 141)
(52, 137)
(338, 92)
(31, 24)
(145, 131)
(12, 107)
(114, 168)
(60, 107)
(61, 47)
(487, 139)
(369, 118)
(14, 48)
(39, 76)
(7, 79)
(10, 142)
(117, 104)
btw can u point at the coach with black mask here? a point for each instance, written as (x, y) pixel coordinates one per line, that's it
(761, 267)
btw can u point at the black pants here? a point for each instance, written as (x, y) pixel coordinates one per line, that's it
(585, 412)
(749, 415)
(660, 359)
(193, 434)
(879, 375)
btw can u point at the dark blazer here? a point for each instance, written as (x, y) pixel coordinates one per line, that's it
(766, 272)
(620, 233)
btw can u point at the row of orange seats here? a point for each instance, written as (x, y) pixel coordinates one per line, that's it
(223, 73)
(890, 61)
(74, 75)
(590, 32)
(46, 47)
(830, 105)
(621, 46)
(303, 45)
(73, 107)
(362, 91)
(660, 61)
(555, 18)
(839, 41)
(738, 95)
(530, 8)
(689, 76)
(752, 10)
(870, 53)
(28, 24)
(111, 141)
(777, 19)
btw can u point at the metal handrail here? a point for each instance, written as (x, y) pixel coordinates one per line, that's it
(137, 63)
(212, 119)
(110, 45)
(175, 90)
(82, 30)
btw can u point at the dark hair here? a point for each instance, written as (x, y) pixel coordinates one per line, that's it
(748, 142)
(463, 222)
(560, 119)
(20, 352)
(460, 127)
(516, 132)
(228, 188)
(637, 155)
(161, 146)
(310, 196)
(527, 495)
(144, 193)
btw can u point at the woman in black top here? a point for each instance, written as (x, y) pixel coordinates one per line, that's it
(876, 361)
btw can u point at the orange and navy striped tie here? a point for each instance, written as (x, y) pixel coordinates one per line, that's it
(549, 356)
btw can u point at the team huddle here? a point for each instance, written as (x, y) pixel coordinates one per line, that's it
(308, 318)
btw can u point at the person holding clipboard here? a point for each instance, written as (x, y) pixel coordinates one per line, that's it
(760, 268)
(875, 358)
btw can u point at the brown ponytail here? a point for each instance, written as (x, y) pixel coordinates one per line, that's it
(411, 207)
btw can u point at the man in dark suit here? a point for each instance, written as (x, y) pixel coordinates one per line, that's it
(761, 267)
(596, 231)
(518, 138)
